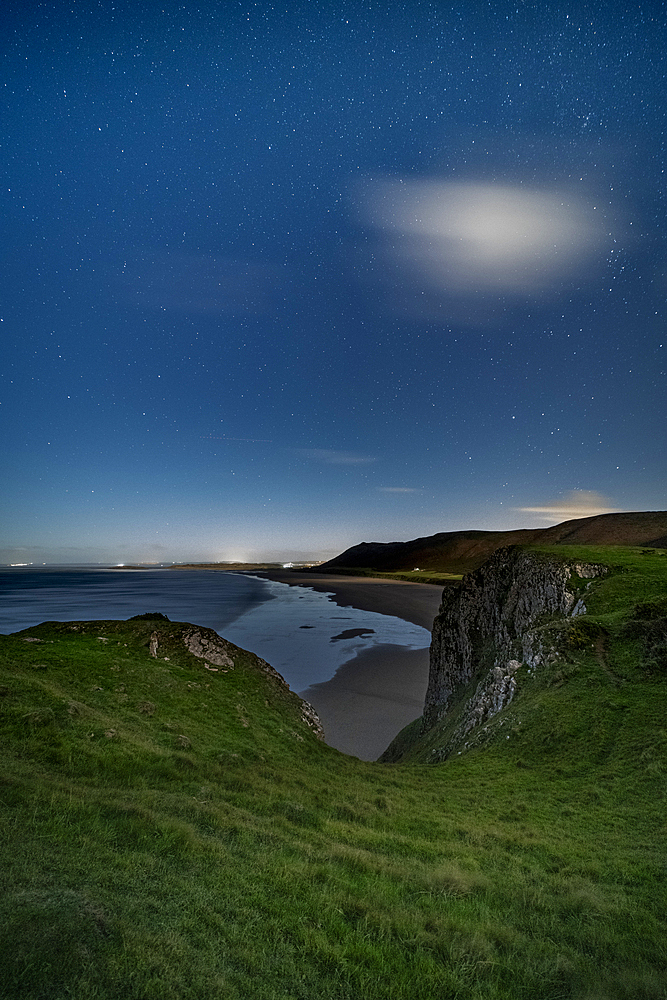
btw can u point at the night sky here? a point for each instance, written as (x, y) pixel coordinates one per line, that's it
(278, 279)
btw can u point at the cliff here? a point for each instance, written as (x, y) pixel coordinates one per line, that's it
(502, 615)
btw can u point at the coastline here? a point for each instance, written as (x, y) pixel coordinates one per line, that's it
(375, 694)
(413, 602)
(371, 698)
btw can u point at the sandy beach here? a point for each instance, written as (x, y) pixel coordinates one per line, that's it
(414, 602)
(373, 696)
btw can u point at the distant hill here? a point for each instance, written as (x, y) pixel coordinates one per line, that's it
(463, 551)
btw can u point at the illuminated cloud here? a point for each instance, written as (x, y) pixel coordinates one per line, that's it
(443, 243)
(577, 503)
(334, 457)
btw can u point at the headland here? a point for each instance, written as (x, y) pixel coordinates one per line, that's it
(373, 696)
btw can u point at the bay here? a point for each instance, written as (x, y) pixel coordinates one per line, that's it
(299, 631)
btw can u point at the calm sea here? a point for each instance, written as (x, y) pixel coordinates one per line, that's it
(299, 631)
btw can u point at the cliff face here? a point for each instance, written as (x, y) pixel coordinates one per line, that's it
(490, 624)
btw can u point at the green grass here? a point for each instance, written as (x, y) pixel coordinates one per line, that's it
(437, 577)
(174, 832)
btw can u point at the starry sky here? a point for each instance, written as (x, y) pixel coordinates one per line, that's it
(281, 278)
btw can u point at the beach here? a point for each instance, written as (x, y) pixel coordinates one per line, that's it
(374, 695)
(413, 602)
(361, 657)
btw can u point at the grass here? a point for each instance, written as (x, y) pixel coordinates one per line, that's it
(175, 832)
(437, 577)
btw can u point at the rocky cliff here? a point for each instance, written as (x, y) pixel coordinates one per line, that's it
(496, 620)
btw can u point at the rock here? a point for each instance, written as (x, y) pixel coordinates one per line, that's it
(312, 719)
(153, 644)
(490, 624)
(493, 693)
(209, 646)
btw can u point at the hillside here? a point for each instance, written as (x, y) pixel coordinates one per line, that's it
(463, 551)
(173, 827)
(535, 616)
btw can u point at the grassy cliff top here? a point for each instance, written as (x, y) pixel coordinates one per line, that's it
(173, 828)
(456, 552)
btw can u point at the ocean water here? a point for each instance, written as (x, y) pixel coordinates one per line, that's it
(31, 595)
(299, 631)
(306, 637)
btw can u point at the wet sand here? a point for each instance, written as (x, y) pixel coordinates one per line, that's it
(414, 602)
(373, 696)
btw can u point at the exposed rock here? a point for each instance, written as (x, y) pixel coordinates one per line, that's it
(493, 693)
(491, 623)
(208, 645)
(312, 719)
(153, 644)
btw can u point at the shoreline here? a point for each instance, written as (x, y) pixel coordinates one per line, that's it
(417, 603)
(371, 698)
(374, 695)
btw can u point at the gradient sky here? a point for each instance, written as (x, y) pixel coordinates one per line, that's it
(278, 279)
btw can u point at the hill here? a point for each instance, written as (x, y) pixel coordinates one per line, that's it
(459, 552)
(174, 828)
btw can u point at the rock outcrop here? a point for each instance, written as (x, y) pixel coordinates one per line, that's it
(217, 652)
(491, 624)
(209, 646)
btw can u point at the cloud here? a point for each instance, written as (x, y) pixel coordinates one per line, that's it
(488, 236)
(334, 457)
(447, 245)
(398, 489)
(577, 503)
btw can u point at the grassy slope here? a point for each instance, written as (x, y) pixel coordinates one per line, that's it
(457, 552)
(170, 834)
(437, 577)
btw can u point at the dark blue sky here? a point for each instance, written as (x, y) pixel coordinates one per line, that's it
(281, 278)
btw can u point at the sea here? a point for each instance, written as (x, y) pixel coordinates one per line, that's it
(301, 632)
